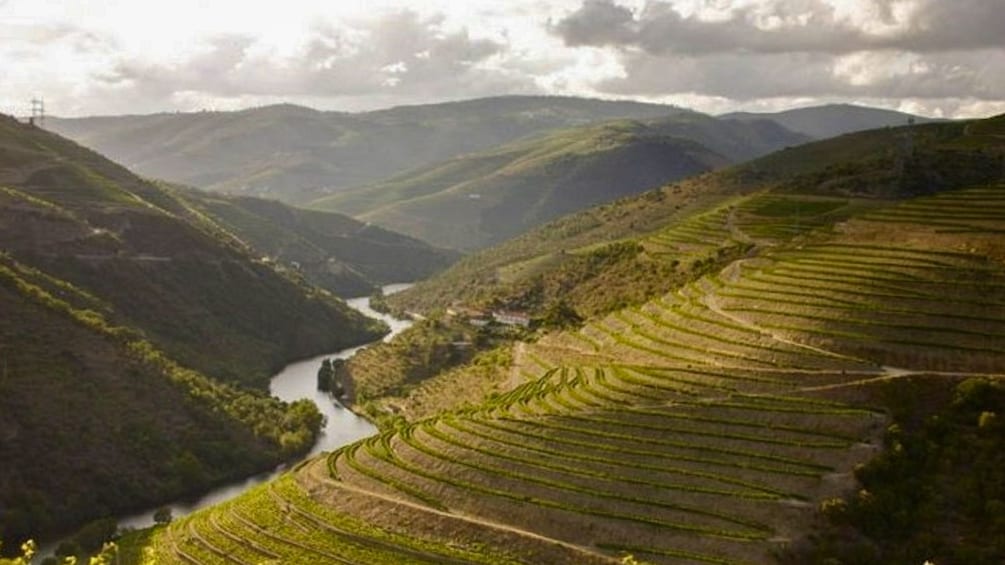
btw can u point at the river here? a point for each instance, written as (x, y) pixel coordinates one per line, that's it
(296, 381)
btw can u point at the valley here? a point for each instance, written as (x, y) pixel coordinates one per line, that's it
(535, 282)
(118, 298)
(719, 369)
(716, 418)
(295, 382)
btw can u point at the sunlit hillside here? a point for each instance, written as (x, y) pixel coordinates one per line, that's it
(719, 421)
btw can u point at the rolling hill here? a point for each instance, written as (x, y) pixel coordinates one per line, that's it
(830, 120)
(480, 199)
(137, 338)
(296, 154)
(863, 167)
(798, 401)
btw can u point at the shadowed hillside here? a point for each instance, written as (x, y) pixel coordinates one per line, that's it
(125, 311)
(480, 199)
(194, 288)
(335, 252)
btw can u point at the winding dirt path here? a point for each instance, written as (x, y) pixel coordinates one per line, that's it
(711, 301)
(317, 472)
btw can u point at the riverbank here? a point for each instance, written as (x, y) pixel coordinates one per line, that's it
(296, 381)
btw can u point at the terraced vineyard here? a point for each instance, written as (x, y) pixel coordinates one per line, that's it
(763, 218)
(704, 426)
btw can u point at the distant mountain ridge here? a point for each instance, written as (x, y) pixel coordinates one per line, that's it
(297, 154)
(829, 120)
(408, 168)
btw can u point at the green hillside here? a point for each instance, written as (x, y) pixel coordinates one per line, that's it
(125, 310)
(296, 154)
(480, 199)
(345, 256)
(97, 420)
(193, 288)
(795, 402)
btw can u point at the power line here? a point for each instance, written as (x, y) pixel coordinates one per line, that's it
(37, 112)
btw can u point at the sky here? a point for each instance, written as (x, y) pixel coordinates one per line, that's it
(89, 57)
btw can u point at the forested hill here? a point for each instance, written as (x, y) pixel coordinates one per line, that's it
(345, 256)
(166, 267)
(137, 337)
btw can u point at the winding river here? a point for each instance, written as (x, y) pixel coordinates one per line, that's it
(296, 381)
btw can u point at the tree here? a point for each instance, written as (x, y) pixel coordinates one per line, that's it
(92, 537)
(331, 376)
(561, 315)
(163, 516)
(107, 556)
(340, 372)
(27, 552)
(68, 548)
(326, 375)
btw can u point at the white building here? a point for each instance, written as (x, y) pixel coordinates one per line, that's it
(511, 318)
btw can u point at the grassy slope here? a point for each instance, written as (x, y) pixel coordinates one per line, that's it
(703, 425)
(296, 154)
(124, 310)
(480, 199)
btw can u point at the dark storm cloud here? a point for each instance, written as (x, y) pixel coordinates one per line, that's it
(599, 22)
(748, 77)
(944, 25)
(800, 48)
(783, 26)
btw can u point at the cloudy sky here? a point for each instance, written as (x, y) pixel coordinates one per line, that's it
(933, 57)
